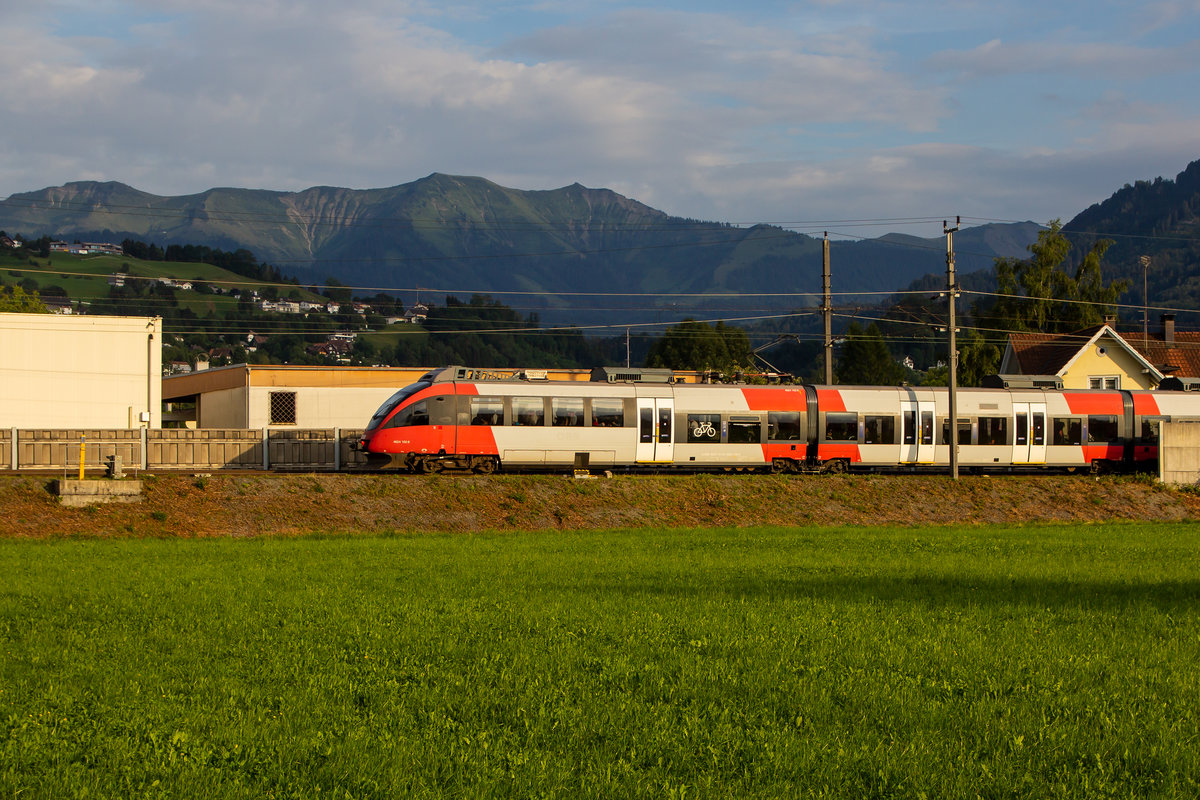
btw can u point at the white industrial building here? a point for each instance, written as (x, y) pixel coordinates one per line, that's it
(80, 371)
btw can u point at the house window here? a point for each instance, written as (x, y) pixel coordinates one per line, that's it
(282, 408)
(1104, 382)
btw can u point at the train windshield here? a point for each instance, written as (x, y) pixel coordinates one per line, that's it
(390, 404)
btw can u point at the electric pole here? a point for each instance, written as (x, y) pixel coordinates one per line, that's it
(827, 311)
(952, 294)
(1145, 261)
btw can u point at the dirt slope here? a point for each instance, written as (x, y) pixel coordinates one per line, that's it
(255, 505)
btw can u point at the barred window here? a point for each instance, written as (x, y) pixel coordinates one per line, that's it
(282, 408)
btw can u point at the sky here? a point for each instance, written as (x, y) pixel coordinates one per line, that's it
(861, 116)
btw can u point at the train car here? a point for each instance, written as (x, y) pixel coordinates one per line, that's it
(465, 419)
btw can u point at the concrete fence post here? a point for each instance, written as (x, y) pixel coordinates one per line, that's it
(145, 449)
(13, 447)
(266, 445)
(337, 449)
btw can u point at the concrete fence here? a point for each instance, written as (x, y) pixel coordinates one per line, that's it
(1179, 453)
(325, 449)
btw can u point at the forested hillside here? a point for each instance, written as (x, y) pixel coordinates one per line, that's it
(1159, 219)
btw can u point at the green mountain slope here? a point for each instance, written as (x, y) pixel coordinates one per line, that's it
(464, 234)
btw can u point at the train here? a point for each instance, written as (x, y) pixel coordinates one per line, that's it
(465, 419)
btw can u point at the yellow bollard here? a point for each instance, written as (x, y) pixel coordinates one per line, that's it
(82, 440)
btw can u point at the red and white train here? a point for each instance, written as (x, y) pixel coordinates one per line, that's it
(460, 418)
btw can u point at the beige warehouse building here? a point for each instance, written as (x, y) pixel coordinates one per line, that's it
(59, 371)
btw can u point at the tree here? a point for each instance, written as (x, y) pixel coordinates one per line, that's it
(1038, 294)
(866, 360)
(699, 346)
(14, 298)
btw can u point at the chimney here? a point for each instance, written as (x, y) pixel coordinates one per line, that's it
(1110, 320)
(1168, 326)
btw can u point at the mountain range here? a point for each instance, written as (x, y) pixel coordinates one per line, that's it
(464, 235)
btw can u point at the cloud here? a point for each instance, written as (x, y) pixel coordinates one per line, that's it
(763, 115)
(1089, 59)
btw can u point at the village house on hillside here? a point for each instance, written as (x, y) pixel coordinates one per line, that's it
(1100, 357)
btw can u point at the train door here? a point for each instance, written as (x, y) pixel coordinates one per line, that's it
(916, 431)
(1029, 433)
(655, 439)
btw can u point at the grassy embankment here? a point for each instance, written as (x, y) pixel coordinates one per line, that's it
(1047, 661)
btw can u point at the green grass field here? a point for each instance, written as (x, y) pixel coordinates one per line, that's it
(927, 662)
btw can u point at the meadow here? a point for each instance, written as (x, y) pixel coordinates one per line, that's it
(1042, 661)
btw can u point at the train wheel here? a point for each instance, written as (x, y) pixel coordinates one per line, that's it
(485, 465)
(837, 466)
(779, 465)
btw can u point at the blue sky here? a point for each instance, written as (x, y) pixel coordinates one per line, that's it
(799, 113)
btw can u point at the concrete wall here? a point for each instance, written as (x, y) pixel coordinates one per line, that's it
(318, 406)
(60, 371)
(225, 408)
(1179, 453)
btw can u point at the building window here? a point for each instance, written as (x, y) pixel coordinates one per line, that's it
(282, 409)
(1104, 382)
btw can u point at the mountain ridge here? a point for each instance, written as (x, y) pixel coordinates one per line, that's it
(473, 235)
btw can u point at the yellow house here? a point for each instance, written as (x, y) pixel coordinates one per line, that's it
(1094, 358)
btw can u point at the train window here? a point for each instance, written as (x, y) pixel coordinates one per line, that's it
(416, 414)
(1150, 428)
(964, 431)
(487, 411)
(1039, 429)
(879, 430)
(841, 427)
(528, 411)
(1102, 428)
(744, 432)
(608, 413)
(567, 411)
(993, 430)
(1022, 432)
(664, 425)
(784, 426)
(1067, 430)
(910, 427)
(704, 428)
(926, 427)
(646, 425)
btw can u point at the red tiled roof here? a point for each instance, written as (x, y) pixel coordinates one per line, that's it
(1181, 359)
(1047, 353)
